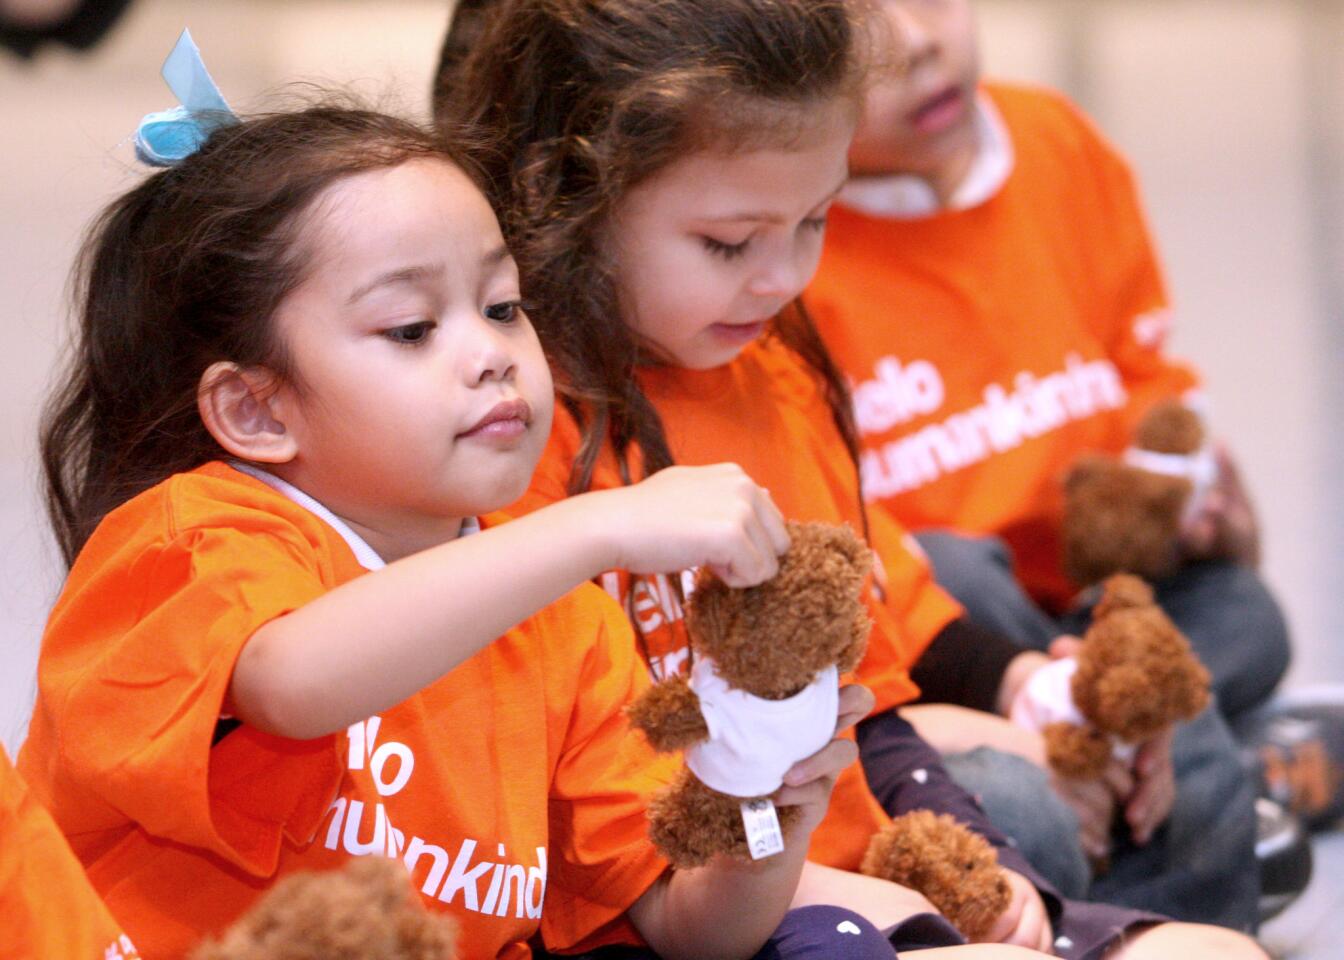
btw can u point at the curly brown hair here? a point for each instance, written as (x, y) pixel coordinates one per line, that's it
(577, 102)
(185, 270)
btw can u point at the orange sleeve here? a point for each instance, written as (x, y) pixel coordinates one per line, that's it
(135, 667)
(599, 798)
(1140, 314)
(47, 906)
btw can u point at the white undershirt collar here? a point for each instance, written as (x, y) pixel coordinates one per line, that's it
(368, 557)
(903, 196)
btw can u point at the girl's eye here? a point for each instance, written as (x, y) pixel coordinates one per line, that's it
(504, 312)
(410, 334)
(729, 251)
(815, 223)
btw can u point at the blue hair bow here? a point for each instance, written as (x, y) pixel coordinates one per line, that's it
(169, 136)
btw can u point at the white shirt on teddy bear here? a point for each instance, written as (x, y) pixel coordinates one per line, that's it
(1200, 468)
(1047, 697)
(752, 741)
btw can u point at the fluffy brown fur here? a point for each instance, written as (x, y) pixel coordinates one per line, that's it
(1136, 676)
(1120, 518)
(366, 911)
(770, 640)
(957, 870)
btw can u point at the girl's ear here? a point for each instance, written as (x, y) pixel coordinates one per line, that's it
(237, 406)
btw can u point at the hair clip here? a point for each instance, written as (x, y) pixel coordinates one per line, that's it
(169, 136)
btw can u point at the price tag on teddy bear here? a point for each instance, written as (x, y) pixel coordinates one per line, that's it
(764, 838)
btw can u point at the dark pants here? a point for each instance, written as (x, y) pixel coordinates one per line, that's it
(1201, 865)
(826, 933)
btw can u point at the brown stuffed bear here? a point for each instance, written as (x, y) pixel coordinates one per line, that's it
(761, 693)
(955, 869)
(1124, 515)
(1133, 676)
(365, 911)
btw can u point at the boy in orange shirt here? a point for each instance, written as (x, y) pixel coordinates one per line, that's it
(989, 287)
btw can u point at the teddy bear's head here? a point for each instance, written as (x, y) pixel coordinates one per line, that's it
(772, 640)
(1136, 672)
(957, 870)
(367, 910)
(1118, 517)
(1122, 516)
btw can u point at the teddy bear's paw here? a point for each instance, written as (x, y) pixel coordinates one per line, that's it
(1078, 752)
(691, 824)
(669, 714)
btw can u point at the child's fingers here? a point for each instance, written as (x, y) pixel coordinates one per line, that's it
(1118, 779)
(1025, 923)
(772, 520)
(826, 762)
(856, 702)
(1064, 646)
(749, 560)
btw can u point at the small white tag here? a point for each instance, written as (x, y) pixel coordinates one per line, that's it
(763, 835)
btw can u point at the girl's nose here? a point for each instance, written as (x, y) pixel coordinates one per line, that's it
(490, 356)
(917, 40)
(778, 278)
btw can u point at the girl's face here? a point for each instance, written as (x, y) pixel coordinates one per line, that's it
(920, 120)
(712, 246)
(421, 392)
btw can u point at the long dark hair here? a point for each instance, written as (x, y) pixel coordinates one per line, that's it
(183, 271)
(581, 100)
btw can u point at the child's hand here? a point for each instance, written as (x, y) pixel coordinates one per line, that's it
(1225, 528)
(1149, 804)
(1025, 923)
(856, 702)
(808, 782)
(683, 517)
(1093, 803)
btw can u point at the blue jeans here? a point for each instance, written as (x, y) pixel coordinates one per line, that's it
(1200, 866)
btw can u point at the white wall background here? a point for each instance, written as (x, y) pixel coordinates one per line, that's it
(1232, 111)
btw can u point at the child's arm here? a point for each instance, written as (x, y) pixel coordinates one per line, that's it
(730, 908)
(371, 643)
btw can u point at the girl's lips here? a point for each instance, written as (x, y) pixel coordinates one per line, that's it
(939, 112)
(738, 333)
(505, 421)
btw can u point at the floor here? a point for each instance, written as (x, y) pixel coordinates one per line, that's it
(1312, 928)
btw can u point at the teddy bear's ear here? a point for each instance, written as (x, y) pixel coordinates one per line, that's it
(1123, 591)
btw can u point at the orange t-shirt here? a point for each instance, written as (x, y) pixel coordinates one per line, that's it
(988, 347)
(511, 778)
(765, 412)
(47, 906)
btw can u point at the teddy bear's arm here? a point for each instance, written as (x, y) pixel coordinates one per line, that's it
(669, 714)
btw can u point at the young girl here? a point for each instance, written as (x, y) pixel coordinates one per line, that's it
(665, 171)
(302, 358)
